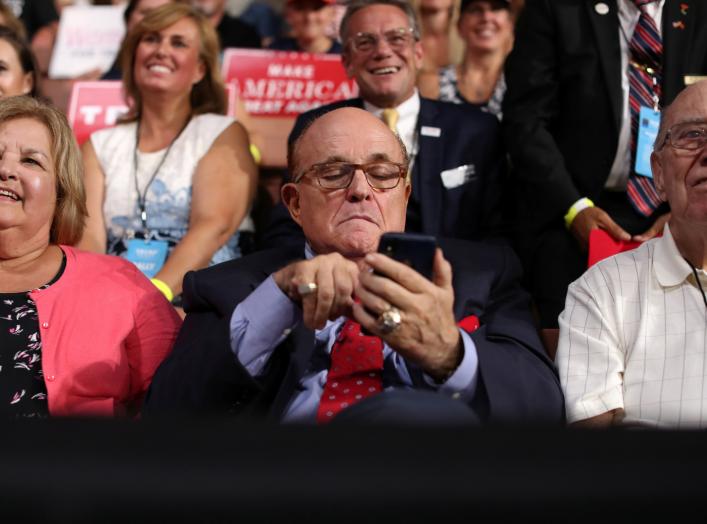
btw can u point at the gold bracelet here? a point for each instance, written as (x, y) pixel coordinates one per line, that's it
(164, 288)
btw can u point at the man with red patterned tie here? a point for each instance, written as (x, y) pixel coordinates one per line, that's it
(333, 330)
(586, 80)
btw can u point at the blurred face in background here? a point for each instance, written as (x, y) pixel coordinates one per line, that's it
(169, 60)
(13, 79)
(436, 5)
(486, 26)
(209, 7)
(309, 19)
(141, 9)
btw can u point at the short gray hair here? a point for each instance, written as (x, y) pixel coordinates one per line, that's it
(357, 5)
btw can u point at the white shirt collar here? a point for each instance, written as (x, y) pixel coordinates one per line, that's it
(670, 267)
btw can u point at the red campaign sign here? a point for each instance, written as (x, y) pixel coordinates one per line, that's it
(286, 83)
(93, 106)
(97, 105)
(602, 245)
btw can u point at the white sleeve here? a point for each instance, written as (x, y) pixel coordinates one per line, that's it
(590, 358)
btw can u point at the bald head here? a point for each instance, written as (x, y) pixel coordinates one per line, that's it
(359, 125)
(685, 108)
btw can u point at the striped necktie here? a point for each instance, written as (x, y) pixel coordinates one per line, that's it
(645, 74)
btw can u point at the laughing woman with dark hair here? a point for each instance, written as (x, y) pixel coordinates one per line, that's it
(80, 333)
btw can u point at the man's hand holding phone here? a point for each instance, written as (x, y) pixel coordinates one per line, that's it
(427, 334)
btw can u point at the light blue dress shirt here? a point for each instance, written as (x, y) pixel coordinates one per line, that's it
(267, 316)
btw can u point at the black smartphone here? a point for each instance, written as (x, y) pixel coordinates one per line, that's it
(415, 250)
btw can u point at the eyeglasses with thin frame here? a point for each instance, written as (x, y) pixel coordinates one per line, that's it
(397, 39)
(380, 175)
(688, 136)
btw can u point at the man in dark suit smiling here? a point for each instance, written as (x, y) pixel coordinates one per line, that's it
(331, 330)
(456, 157)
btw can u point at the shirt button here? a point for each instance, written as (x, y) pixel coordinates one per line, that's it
(45, 324)
(456, 395)
(286, 332)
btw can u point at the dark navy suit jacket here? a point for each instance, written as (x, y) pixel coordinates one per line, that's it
(563, 108)
(467, 137)
(517, 381)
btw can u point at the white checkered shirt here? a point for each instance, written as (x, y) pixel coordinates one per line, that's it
(633, 336)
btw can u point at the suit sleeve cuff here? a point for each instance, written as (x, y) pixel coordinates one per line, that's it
(260, 323)
(461, 385)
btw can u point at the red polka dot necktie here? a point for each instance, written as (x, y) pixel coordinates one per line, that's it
(354, 372)
(644, 74)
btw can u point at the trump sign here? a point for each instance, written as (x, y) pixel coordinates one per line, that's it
(96, 105)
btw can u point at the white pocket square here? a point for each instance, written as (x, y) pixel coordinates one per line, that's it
(457, 176)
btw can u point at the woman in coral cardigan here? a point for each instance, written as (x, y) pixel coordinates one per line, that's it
(80, 333)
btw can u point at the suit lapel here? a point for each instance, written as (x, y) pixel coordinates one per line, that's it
(428, 166)
(300, 344)
(678, 30)
(606, 33)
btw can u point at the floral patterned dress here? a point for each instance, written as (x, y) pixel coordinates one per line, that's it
(449, 92)
(23, 393)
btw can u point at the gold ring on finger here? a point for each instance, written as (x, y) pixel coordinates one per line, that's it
(389, 320)
(306, 289)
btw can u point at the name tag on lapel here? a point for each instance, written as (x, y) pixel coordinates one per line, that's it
(434, 132)
(457, 176)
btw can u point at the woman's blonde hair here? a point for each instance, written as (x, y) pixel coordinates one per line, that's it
(209, 94)
(70, 212)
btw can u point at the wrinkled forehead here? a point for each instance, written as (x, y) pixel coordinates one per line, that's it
(356, 140)
(689, 106)
(376, 18)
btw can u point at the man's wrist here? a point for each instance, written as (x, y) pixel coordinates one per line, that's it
(576, 208)
(451, 364)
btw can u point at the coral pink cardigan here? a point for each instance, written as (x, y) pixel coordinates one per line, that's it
(104, 329)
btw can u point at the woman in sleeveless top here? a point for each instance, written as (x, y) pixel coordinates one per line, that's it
(486, 27)
(169, 186)
(80, 333)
